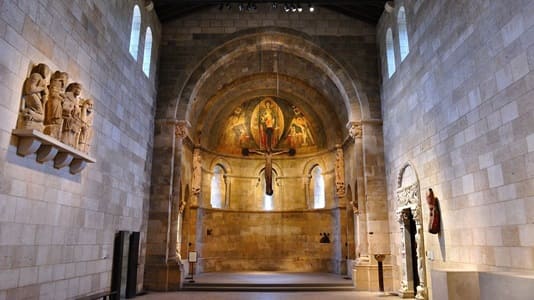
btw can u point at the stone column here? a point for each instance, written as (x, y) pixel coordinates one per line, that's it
(163, 270)
(406, 284)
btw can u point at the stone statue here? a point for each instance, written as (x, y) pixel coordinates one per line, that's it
(34, 96)
(197, 172)
(71, 113)
(54, 106)
(340, 172)
(86, 132)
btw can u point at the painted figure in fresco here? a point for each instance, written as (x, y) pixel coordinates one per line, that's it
(35, 95)
(236, 134)
(267, 122)
(299, 133)
(54, 106)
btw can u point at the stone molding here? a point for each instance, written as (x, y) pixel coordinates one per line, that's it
(48, 148)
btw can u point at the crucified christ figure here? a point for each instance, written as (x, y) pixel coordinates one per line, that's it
(268, 154)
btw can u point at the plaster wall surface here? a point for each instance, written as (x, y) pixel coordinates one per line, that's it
(57, 229)
(460, 110)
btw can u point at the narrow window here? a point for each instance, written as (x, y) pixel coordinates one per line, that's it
(218, 187)
(390, 52)
(134, 34)
(148, 52)
(268, 200)
(403, 34)
(318, 188)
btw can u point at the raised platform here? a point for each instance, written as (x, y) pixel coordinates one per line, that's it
(268, 282)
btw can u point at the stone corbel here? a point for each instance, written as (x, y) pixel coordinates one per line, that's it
(48, 148)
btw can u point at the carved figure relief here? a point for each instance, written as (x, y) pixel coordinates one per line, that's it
(86, 132)
(34, 97)
(72, 122)
(54, 105)
(197, 172)
(340, 172)
(355, 130)
(54, 121)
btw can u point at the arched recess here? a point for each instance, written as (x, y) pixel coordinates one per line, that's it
(404, 45)
(225, 165)
(410, 218)
(273, 39)
(218, 187)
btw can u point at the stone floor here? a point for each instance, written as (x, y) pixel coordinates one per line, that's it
(266, 279)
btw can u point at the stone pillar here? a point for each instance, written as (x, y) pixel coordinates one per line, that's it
(163, 271)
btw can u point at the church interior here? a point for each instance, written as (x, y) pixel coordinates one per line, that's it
(146, 142)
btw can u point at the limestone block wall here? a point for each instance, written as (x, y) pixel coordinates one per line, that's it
(57, 229)
(460, 109)
(292, 183)
(267, 241)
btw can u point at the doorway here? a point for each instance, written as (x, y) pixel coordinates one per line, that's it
(125, 263)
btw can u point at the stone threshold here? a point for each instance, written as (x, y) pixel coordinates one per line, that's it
(48, 148)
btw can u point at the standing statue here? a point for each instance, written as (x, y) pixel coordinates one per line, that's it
(71, 112)
(54, 106)
(434, 218)
(340, 172)
(86, 132)
(197, 172)
(34, 97)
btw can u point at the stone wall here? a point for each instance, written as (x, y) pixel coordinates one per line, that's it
(267, 241)
(57, 229)
(460, 110)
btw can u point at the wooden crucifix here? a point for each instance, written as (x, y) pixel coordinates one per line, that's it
(268, 153)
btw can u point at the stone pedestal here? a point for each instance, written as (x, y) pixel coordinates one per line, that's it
(365, 277)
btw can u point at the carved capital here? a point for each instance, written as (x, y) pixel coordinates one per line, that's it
(355, 129)
(182, 129)
(402, 216)
(408, 195)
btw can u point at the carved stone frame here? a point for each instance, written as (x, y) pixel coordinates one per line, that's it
(409, 203)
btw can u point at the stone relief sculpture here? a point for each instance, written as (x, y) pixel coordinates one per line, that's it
(51, 106)
(34, 97)
(71, 113)
(86, 132)
(340, 172)
(54, 121)
(355, 130)
(54, 106)
(197, 172)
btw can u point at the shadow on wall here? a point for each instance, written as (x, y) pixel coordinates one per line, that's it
(441, 236)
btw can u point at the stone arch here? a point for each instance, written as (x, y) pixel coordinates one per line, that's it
(410, 218)
(285, 40)
(223, 163)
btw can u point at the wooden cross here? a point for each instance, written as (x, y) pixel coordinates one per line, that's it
(268, 154)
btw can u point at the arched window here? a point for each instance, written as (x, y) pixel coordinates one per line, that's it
(268, 200)
(403, 34)
(218, 187)
(318, 187)
(390, 52)
(134, 35)
(148, 52)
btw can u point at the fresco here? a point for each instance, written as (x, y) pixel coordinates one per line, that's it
(245, 127)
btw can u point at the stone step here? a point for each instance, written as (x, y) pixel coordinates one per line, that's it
(243, 287)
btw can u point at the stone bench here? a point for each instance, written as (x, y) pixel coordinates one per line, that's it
(475, 285)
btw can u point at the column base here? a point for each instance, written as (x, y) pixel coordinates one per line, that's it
(164, 277)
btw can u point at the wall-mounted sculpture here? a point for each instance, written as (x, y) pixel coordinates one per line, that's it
(54, 121)
(434, 216)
